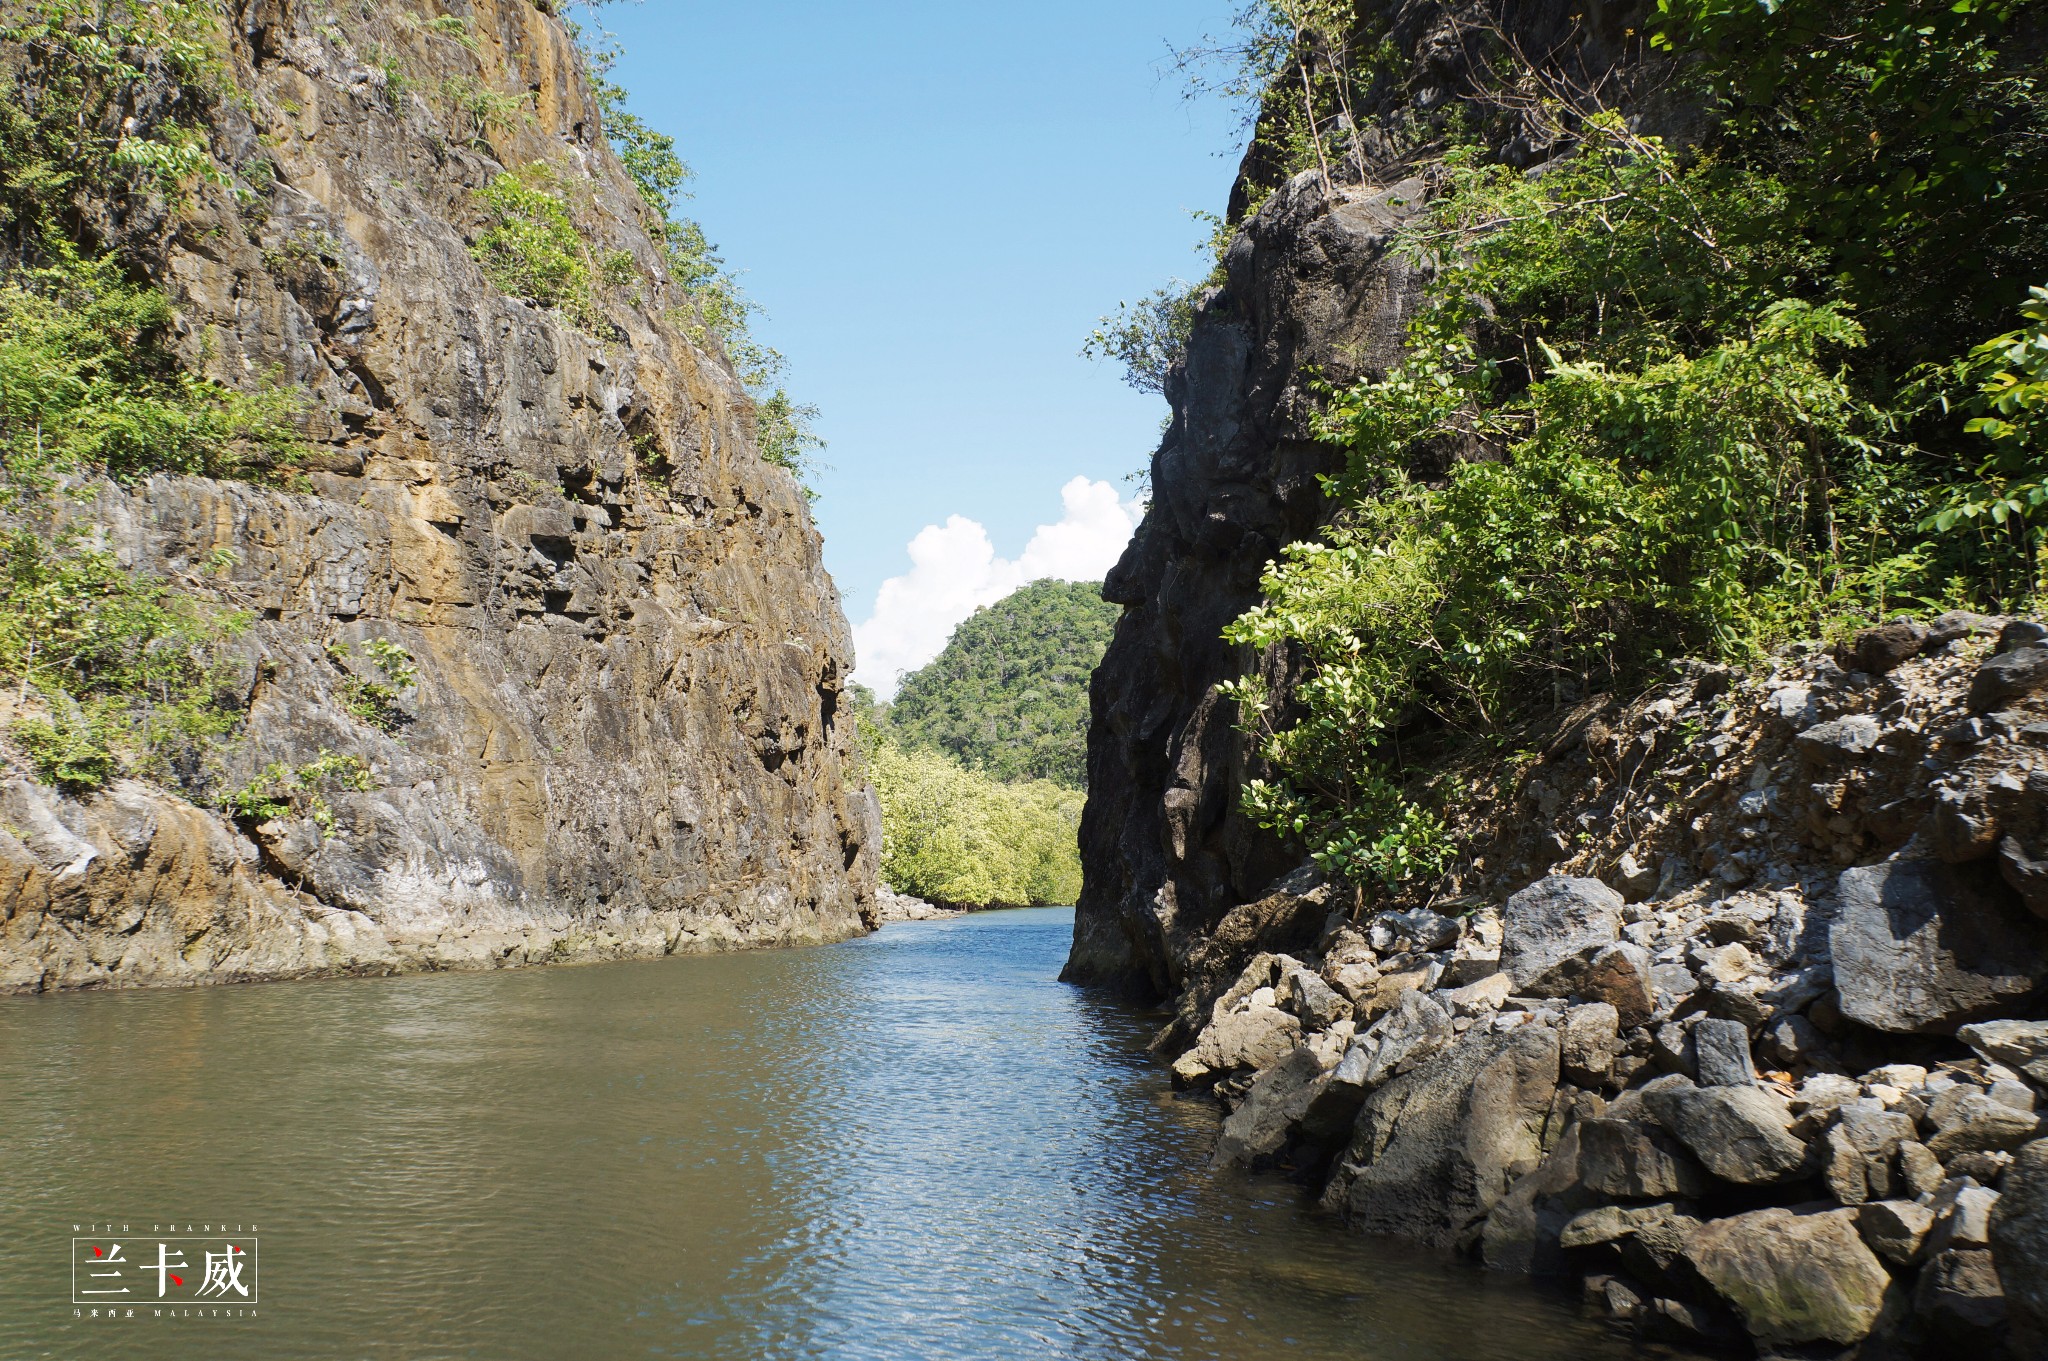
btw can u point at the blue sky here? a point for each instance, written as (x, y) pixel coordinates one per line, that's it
(934, 203)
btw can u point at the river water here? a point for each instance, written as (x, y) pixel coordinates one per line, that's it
(916, 1145)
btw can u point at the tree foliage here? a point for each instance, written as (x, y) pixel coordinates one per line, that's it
(1009, 693)
(1665, 401)
(953, 835)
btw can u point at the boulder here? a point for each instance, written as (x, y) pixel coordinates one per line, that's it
(1721, 1053)
(1588, 1043)
(1883, 648)
(1414, 1031)
(1979, 1123)
(1793, 1276)
(1271, 1110)
(1636, 1160)
(1552, 928)
(1895, 1229)
(1862, 1149)
(1620, 976)
(1962, 1217)
(1740, 1134)
(1420, 931)
(1841, 740)
(1522, 1230)
(1920, 1172)
(1239, 1040)
(1959, 1304)
(2020, 1044)
(1922, 946)
(2007, 677)
(1606, 1223)
(2019, 1245)
(1436, 1148)
(1309, 997)
(1480, 998)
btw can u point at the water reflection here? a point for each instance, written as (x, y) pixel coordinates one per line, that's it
(911, 1146)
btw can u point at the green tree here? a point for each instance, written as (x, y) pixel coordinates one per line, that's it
(1009, 693)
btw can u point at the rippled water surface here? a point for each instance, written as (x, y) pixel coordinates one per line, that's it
(914, 1145)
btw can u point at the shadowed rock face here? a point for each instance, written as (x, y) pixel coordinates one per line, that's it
(1312, 295)
(1311, 286)
(627, 735)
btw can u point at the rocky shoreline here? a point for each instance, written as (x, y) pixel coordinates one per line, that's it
(1736, 1020)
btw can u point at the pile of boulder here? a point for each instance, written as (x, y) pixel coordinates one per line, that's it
(1760, 1062)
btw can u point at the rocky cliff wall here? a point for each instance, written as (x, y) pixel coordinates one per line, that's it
(1312, 296)
(626, 736)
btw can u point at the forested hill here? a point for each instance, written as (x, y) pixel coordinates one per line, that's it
(1009, 695)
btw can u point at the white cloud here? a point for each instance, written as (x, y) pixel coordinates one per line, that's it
(954, 571)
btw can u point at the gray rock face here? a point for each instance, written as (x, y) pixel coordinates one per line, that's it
(1435, 1149)
(1794, 1277)
(1980, 1123)
(1311, 285)
(1740, 1134)
(1636, 1160)
(1895, 1229)
(1239, 1041)
(1270, 1111)
(1959, 1304)
(1924, 946)
(1721, 1050)
(1553, 930)
(2022, 1044)
(627, 737)
(1406, 1037)
(2009, 676)
(2019, 1244)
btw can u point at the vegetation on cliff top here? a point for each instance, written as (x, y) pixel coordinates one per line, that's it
(979, 763)
(1008, 695)
(1716, 396)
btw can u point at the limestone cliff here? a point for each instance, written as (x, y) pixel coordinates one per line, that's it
(626, 736)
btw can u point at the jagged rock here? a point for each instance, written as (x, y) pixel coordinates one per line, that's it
(1919, 1170)
(1959, 1304)
(1861, 1149)
(1522, 1230)
(1895, 1229)
(1271, 1110)
(1844, 739)
(1740, 1134)
(1355, 980)
(1477, 999)
(1619, 975)
(1554, 927)
(1962, 1216)
(1979, 1123)
(1387, 992)
(1239, 1041)
(1793, 1276)
(1310, 998)
(1790, 1041)
(1721, 1050)
(1609, 1222)
(1636, 1160)
(1420, 932)
(2023, 1044)
(2008, 677)
(2019, 1244)
(1883, 648)
(1405, 1037)
(1435, 1149)
(1587, 1045)
(1923, 946)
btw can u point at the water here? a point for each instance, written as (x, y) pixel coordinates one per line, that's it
(916, 1145)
